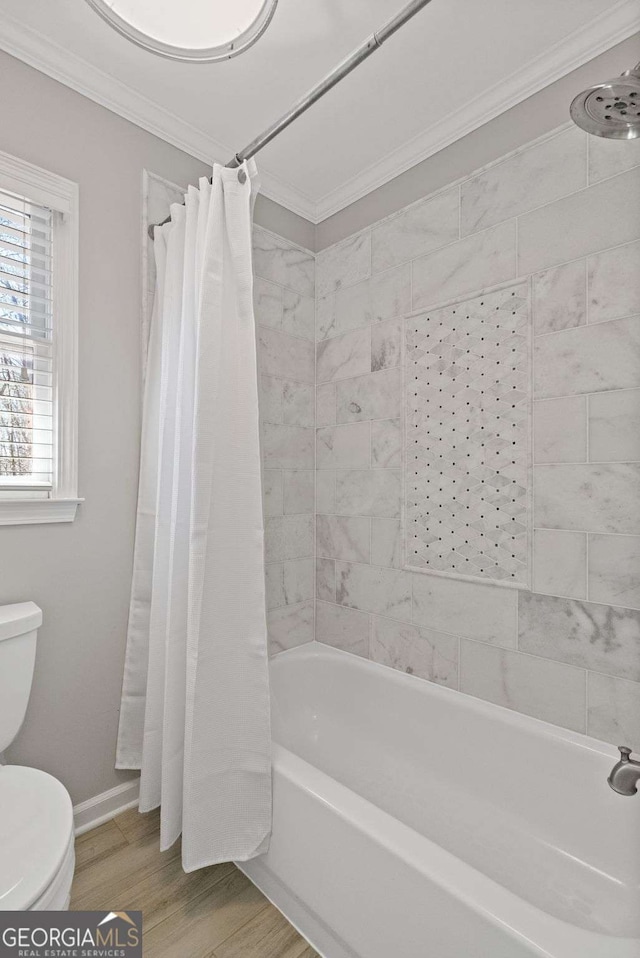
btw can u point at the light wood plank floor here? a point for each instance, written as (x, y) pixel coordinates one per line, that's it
(212, 913)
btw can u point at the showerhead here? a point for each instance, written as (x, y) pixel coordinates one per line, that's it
(611, 109)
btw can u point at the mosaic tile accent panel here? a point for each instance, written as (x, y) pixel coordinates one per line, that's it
(467, 438)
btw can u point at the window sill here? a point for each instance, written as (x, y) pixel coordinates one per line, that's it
(22, 512)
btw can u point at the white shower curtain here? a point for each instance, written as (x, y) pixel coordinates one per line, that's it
(195, 700)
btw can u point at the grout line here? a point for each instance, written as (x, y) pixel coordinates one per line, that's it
(586, 563)
(601, 392)
(588, 462)
(586, 701)
(285, 332)
(587, 443)
(589, 532)
(587, 310)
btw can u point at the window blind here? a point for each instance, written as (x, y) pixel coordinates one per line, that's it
(26, 345)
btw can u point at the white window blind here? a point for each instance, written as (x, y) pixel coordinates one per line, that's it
(26, 346)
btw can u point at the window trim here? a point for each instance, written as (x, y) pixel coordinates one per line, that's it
(61, 195)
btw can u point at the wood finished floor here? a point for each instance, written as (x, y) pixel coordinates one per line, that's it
(212, 913)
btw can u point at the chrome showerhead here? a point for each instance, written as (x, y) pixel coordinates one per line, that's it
(611, 109)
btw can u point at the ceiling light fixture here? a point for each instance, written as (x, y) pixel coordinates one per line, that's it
(195, 31)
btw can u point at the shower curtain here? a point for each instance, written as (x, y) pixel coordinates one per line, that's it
(195, 700)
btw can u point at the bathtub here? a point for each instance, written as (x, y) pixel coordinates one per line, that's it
(411, 821)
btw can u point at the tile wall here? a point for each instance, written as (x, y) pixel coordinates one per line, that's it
(284, 287)
(565, 211)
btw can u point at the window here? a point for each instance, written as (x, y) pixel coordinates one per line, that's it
(38, 344)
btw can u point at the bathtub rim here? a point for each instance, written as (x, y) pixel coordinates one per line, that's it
(540, 727)
(545, 935)
(493, 902)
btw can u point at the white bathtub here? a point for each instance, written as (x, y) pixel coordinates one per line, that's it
(411, 821)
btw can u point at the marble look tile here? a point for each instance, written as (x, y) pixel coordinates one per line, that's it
(373, 589)
(288, 537)
(325, 316)
(467, 466)
(299, 580)
(588, 359)
(546, 690)
(326, 580)
(529, 178)
(614, 426)
(339, 537)
(299, 314)
(614, 570)
(610, 157)
(603, 638)
(287, 447)
(386, 543)
(613, 710)
(375, 396)
(386, 443)
(560, 563)
(290, 626)
(560, 297)
(386, 349)
(476, 262)
(326, 491)
(602, 216)
(614, 283)
(344, 447)
(485, 612)
(344, 264)
(267, 303)
(602, 497)
(285, 356)
(372, 492)
(344, 356)
(326, 404)
(298, 491)
(270, 399)
(278, 261)
(560, 430)
(423, 227)
(274, 582)
(384, 296)
(272, 492)
(298, 403)
(428, 655)
(342, 628)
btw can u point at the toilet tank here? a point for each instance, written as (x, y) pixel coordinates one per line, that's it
(19, 626)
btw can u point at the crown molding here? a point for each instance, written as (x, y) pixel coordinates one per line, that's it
(613, 26)
(40, 52)
(616, 24)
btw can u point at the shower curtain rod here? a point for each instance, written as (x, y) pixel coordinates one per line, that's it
(370, 46)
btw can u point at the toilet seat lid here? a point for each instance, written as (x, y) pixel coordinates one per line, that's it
(36, 825)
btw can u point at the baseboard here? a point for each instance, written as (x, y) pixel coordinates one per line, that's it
(102, 808)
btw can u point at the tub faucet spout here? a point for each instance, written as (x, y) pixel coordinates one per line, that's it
(625, 774)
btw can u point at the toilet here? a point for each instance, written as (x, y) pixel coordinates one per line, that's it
(36, 816)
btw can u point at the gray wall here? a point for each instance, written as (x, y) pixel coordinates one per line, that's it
(80, 573)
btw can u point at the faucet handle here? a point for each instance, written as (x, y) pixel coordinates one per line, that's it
(624, 753)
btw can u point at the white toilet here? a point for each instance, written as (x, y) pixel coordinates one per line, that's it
(36, 817)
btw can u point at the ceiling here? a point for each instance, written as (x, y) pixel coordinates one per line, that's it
(456, 65)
